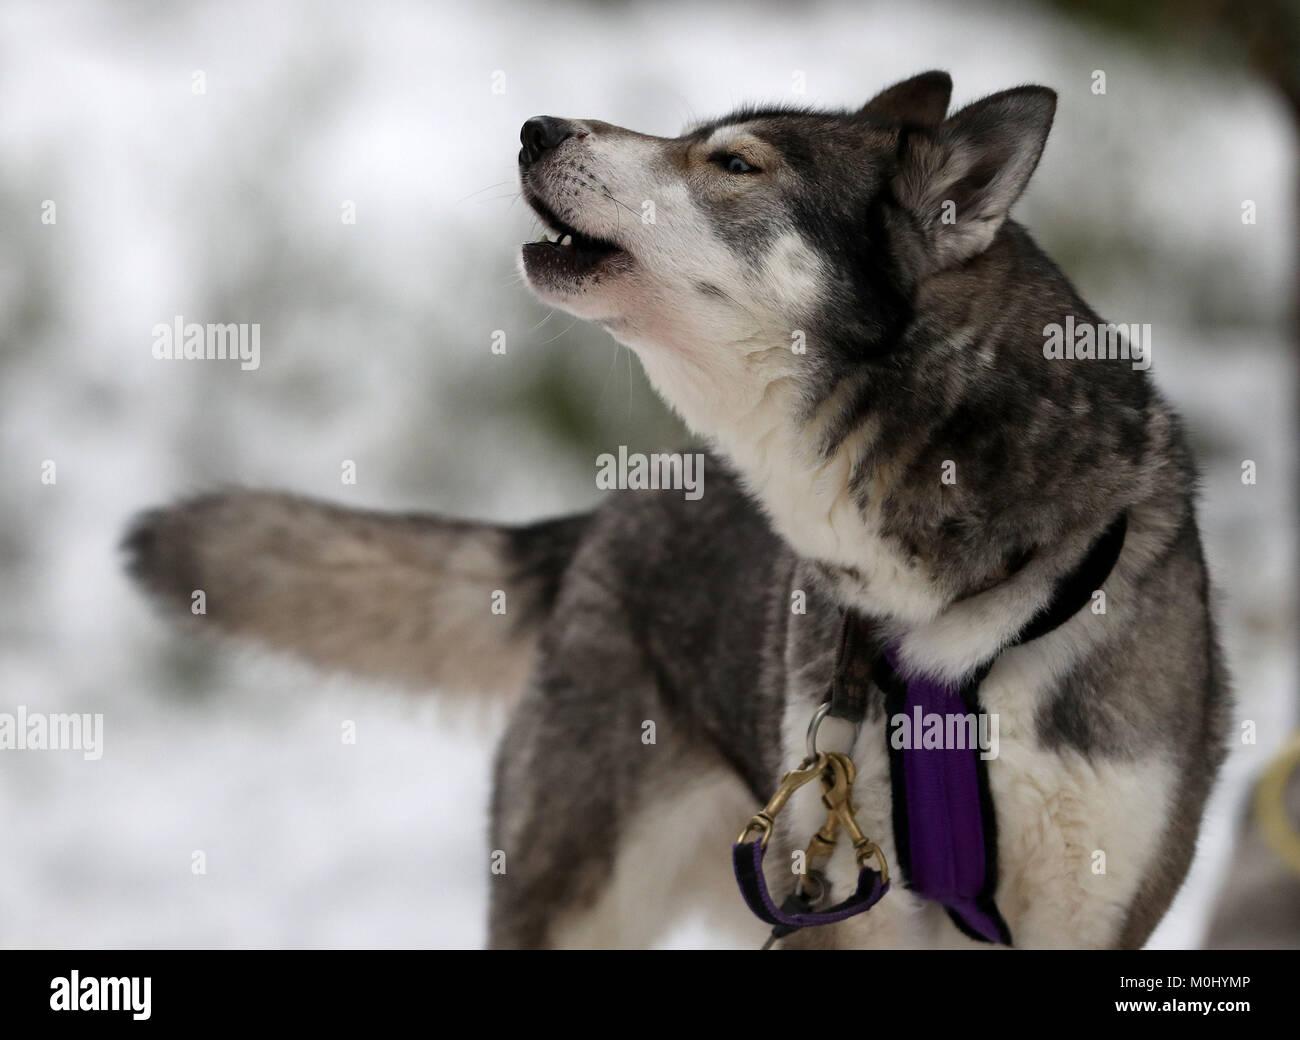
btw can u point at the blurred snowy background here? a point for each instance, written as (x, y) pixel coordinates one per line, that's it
(225, 206)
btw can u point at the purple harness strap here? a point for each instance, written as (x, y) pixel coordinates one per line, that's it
(944, 825)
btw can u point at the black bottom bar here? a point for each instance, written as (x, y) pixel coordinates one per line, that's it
(378, 988)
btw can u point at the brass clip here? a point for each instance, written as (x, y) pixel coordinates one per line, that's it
(764, 820)
(836, 772)
(838, 799)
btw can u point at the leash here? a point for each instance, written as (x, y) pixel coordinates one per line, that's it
(836, 773)
(945, 826)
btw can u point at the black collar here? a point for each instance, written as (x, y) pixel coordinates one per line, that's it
(859, 657)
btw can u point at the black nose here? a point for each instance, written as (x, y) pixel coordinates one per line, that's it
(540, 134)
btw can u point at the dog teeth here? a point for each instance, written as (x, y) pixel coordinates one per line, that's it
(555, 238)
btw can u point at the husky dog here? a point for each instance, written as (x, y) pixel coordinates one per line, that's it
(840, 306)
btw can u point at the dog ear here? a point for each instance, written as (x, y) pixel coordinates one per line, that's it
(919, 101)
(960, 180)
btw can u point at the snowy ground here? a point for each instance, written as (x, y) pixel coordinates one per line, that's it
(225, 206)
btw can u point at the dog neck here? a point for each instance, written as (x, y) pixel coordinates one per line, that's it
(746, 402)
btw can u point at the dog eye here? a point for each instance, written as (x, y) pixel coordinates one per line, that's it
(734, 163)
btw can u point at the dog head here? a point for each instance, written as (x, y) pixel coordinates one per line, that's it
(773, 243)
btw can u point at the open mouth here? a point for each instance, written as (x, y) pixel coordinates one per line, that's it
(564, 252)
